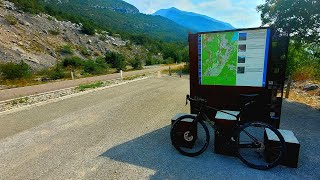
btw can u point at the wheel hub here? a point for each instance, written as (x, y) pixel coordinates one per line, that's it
(187, 136)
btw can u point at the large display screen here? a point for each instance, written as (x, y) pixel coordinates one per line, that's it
(234, 58)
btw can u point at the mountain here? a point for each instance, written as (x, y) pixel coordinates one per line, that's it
(196, 22)
(120, 17)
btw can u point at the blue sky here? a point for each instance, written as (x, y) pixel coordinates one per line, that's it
(239, 13)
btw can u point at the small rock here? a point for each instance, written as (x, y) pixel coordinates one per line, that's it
(44, 79)
(89, 41)
(53, 54)
(9, 5)
(15, 48)
(310, 87)
(45, 31)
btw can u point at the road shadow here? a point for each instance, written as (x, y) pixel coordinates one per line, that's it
(154, 151)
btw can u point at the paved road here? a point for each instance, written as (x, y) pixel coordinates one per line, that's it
(42, 88)
(123, 133)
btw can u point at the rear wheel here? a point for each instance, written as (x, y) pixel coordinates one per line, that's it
(254, 148)
(189, 137)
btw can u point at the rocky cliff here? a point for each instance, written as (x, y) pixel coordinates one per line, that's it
(38, 39)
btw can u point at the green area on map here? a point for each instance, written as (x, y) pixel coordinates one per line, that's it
(219, 58)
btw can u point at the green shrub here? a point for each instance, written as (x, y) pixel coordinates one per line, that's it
(57, 73)
(74, 62)
(32, 6)
(169, 60)
(96, 53)
(102, 63)
(54, 31)
(102, 37)
(11, 19)
(90, 86)
(66, 50)
(116, 60)
(150, 62)
(13, 71)
(136, 63)
(92, 67)
(88, 28)
(85, 52)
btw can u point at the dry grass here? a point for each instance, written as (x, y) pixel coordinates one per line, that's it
(12, 20)
(176, 69)
(310, 98)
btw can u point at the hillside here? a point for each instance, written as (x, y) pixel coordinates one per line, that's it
(196, 22)
(40, 40)
(119, 17)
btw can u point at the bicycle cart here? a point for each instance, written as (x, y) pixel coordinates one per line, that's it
(190, 136)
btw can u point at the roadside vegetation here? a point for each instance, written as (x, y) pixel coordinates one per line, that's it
(300, 19)
(90, 86)
(21, 74)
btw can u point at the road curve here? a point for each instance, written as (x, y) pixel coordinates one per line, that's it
(7, 94)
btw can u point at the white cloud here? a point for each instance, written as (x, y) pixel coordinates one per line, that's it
(239, 13)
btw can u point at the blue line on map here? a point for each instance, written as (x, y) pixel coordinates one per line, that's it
(200, 59)
(266, 57)
(235, 36)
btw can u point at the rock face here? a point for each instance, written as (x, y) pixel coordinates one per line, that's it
(311, 87)
(37, 39)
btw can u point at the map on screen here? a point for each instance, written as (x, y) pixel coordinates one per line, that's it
(235, 58)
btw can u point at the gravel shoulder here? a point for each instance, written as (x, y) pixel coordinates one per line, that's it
(123, 133)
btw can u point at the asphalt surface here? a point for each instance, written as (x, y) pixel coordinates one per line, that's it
(123, 133)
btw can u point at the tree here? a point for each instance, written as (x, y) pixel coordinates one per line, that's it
(299, 18)
(136, 63)
(116, 60)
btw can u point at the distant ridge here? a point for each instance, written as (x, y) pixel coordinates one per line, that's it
(194, 21)
(120, 17)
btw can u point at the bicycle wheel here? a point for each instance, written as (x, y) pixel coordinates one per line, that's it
(253, 148)
(190, 138)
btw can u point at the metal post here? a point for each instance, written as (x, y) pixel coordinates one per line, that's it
(288, 87)
(169, 71)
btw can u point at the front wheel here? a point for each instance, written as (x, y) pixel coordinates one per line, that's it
(255, 148)
(190, 137)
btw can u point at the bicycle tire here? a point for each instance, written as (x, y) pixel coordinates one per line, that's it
(265, 147)
(175, 129)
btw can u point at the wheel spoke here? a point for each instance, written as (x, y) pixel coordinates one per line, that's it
(250, 136)
(250, 145)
